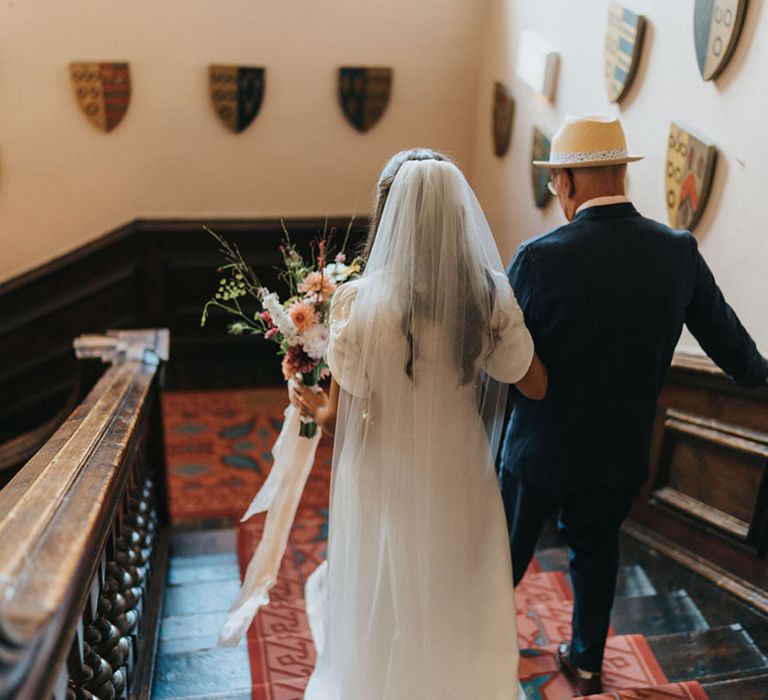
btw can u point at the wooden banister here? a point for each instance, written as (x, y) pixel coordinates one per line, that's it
(81, 537)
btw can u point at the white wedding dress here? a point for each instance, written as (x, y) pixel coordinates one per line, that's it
(419, 600)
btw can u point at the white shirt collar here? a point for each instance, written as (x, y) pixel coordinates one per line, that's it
(603, 201)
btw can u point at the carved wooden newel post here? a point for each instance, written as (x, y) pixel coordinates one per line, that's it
(83, 546)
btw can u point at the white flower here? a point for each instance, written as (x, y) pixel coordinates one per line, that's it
(338, 271)
(280, 317)
(315, 341)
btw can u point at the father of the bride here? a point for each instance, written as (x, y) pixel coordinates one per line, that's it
(605, 298)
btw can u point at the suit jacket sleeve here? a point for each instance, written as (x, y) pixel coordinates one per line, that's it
(719, 332)
(521, 277)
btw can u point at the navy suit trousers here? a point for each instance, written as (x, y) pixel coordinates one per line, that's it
(589, 518)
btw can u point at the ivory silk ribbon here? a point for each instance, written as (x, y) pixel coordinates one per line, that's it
(279, 496)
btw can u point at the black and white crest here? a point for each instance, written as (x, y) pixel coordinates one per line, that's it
(364, 94)
(237, 93)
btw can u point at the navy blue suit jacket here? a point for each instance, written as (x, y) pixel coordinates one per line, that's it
(605, 298)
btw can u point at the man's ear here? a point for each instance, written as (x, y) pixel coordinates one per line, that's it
(571, 182)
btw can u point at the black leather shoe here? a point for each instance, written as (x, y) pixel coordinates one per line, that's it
(586, 682)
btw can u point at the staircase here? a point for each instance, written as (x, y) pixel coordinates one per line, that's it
(669, 628)
(674, 634)
(663, 635)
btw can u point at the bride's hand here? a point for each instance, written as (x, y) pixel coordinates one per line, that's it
(311, 402)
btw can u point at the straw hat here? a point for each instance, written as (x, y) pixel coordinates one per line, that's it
(588, 142)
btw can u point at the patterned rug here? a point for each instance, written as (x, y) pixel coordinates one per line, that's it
(218, 446)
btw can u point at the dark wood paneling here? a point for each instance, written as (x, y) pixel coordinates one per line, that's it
(88, 290)
(147, 273)
(181, 267)
(708, 492)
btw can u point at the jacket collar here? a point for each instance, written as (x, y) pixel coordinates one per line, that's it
(607, 211)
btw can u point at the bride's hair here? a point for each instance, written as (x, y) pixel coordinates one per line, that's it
(384, 185)
(466, 324)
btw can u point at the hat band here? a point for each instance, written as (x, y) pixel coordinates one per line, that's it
(564, 157)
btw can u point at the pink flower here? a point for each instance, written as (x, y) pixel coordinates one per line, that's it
(341, 258)
(266, 318)
(318, 284)
(304, 315)
(296, 361)
(270, 333)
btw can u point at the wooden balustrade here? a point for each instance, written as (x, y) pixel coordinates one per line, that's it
(83, 544)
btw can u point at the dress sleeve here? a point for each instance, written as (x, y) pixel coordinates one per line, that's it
(344, 353)
(512, 353)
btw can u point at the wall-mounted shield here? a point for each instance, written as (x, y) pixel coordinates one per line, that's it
(503, 112)
(540, 176)
(237, 93)
(623, 44)
(103, 91)
(364, 94)
(690, 165)
(716, 28)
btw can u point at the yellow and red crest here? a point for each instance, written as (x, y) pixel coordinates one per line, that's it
(688, 177)
(103, 91)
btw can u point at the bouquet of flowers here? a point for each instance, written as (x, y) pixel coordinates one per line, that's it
(299, 325)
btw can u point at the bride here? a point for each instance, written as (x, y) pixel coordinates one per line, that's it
(419, 594)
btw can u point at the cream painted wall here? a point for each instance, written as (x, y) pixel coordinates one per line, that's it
(62, 182)
(732, 112)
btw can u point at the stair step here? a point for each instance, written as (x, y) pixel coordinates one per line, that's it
(754, 688)
(717, 654)
(553, 559)
(202, 673)
(657, 614)
(632, 581)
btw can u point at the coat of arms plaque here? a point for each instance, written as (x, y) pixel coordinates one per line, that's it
(623, 44)
(688, 177)
(103, 91)
(540, 176)
(237, 93)
(503, 112)
(364, 94)
(716, 28)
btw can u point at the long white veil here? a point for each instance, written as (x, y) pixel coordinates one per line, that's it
(416, 522)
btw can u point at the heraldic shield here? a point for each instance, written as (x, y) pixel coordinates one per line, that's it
(364, 94)
(237, 93)
(503, 112)
(716, 28)
(623, 44)
(103, 91)
(690, 165)
(540, 176)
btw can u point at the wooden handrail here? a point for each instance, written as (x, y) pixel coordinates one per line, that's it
(61, 515)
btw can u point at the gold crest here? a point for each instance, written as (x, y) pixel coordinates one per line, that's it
(540, 176)
(503, 112)
(688, 177)
(103, 91)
